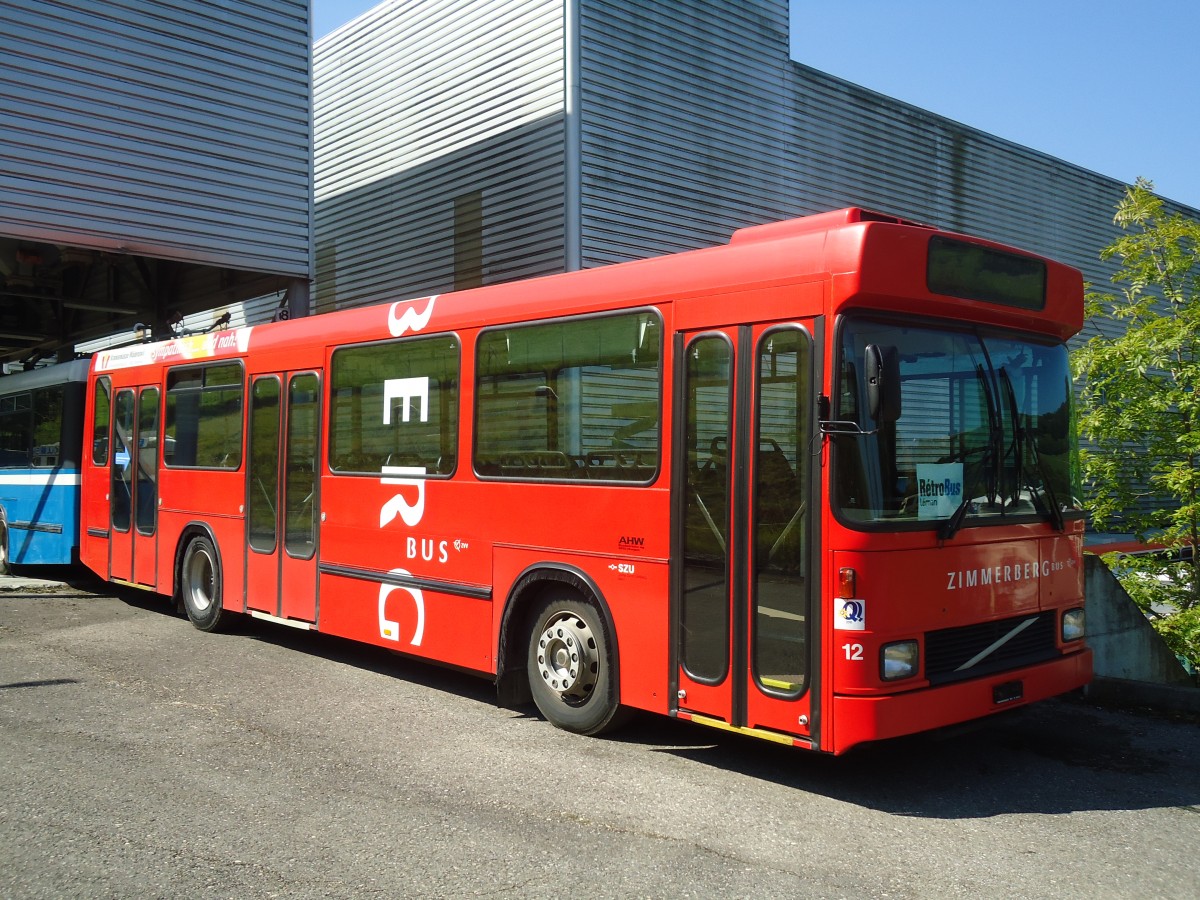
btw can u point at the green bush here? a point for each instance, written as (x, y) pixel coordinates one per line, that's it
(1181, 631)
(1162, 589)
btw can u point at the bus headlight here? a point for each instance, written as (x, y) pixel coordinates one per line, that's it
(899, 660)
(1072, 625)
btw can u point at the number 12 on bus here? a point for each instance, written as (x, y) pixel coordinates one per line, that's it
(815, 486)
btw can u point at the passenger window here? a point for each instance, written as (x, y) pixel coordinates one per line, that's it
(204, 417)
(395, 404)
(576, 399)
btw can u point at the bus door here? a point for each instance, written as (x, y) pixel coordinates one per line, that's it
(133, 485)
(745, 578)
(281, 501)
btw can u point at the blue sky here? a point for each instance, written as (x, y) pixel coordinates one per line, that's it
(1109, 85)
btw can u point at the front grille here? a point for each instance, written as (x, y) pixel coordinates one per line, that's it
(948, 652)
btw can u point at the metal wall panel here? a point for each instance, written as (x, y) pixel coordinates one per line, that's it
(693, 122)
(685, 136)
(417, 105)
(696, 122)
(176, 129)
(858, 147)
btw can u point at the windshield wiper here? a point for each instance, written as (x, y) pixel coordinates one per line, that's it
(995, 448)
(950, 527)
(1051, 499)
(1018, 444)
(1053, 510)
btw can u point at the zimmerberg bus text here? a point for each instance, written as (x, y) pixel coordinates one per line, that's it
(969, 578)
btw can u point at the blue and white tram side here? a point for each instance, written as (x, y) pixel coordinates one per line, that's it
(41, 438)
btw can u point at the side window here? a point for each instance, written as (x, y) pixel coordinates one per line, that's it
(303, 424)
(575, 399)
(123, 462)
(146, 465)
(395, 404)
(101, 416)
(781, 543)
(204, 417)
(16, 430)
(704, 603)
(263, 474)
(47, 426)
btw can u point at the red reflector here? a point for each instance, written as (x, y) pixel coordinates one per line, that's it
(847, 583)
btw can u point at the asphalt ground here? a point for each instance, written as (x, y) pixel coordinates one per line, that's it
(142, 758)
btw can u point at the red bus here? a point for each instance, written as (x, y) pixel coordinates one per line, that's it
(816, 486)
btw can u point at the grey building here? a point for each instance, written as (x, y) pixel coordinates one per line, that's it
(476, 141)
(154, 161)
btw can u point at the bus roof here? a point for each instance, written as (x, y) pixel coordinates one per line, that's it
(833, 244)
(60, 373)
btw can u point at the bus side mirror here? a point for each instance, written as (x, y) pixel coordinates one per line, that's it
(883, 383)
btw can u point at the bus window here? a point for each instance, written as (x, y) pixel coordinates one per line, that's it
(704, 611)
(300, 530)
(15, 433)
(781, 493)
(147, 465)
(100, 422)
(204, 417)
(47, 427)
(122, 461)
(982, 412)
(378, 386)
(264, 464)
(576, 399)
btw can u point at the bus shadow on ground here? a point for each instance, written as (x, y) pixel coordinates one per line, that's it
(1055, 757)
(343, 651)
(379, 660)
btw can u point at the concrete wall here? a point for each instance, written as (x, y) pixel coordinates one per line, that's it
(1123, 642)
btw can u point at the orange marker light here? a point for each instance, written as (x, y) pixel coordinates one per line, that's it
(847, 583)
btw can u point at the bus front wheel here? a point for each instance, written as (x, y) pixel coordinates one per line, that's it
(200, 584)
(570, 665)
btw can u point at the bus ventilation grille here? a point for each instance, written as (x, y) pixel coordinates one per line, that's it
(956, 654)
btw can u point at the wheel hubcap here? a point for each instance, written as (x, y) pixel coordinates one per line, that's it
(200, 582)
(567, 658)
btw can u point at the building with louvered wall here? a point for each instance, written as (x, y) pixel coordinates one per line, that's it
(438, 152)
(155, 158)
(479, 141)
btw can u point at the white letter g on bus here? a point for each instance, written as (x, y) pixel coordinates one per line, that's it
(390, 628)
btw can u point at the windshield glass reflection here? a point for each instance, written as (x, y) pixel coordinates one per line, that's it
(980, 429)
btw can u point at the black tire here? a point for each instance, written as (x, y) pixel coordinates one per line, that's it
(5, 567)
(571, 667)
(200, 584)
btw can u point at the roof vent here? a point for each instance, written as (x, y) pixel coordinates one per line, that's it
(820, 222)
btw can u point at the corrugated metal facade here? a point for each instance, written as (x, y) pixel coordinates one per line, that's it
(115, 134)
(692, 121)
(438, 148)
(855, 146)
(685, 134)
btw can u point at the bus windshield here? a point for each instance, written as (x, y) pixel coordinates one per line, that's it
(943, 427)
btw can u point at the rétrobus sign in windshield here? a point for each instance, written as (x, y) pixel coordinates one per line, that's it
(939, 489)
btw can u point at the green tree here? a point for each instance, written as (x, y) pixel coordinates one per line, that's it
(1140, 390)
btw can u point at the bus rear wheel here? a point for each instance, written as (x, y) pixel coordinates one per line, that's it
(5, 569)
(200, 584)
(570, 666)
